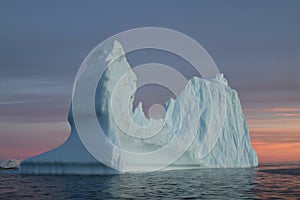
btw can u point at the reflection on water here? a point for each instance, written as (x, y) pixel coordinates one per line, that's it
(278, 182)
(263, 182)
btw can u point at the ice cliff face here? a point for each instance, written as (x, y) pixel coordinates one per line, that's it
(207, 115)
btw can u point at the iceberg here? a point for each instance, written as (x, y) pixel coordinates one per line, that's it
(10, 163)
(205, 122)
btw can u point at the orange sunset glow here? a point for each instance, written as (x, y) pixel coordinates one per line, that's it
(275, 134)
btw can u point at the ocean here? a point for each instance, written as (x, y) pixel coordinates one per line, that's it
(264, 182)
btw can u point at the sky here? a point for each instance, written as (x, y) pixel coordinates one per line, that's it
(255, 44)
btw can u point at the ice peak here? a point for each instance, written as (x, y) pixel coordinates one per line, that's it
(219, 78)
(116, 45)
(113, 50)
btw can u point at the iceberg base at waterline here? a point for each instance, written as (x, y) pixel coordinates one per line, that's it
(208, 110)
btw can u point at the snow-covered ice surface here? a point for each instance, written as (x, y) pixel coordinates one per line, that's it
(207, 114)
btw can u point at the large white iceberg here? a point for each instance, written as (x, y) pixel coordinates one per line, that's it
(207, 112)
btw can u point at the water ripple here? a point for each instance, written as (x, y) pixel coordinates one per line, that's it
(281, 182)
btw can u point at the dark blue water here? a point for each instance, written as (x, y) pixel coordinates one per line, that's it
(282, 182)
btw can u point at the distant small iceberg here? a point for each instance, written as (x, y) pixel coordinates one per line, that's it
(10, 163)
